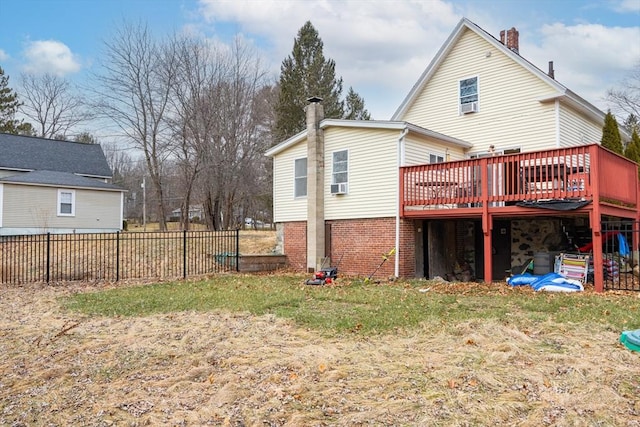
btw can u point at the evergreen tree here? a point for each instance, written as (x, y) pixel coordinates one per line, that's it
(9, 105)
(631, 123)
(633, 149)
(303, 74)
(611, 135)
(354, 107)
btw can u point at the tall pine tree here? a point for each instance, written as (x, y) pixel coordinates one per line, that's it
(9, 105)
(633, 149)
(303, 74)
(611, 135)
(354, 107)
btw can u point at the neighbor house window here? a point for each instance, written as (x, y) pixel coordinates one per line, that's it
(340, 170)
(66, 202)
(469, 95)
(434, 158)
(300, 180)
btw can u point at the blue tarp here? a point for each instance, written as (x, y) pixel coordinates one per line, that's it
(552, 282)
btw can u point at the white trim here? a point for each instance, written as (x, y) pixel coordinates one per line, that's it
(556, 106)
(73, 202)
(121, 209)
(1, 202)
(400, 161)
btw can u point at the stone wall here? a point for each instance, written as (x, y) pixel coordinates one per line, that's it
(532, 235)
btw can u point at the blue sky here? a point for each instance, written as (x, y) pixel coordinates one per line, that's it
(380, 46)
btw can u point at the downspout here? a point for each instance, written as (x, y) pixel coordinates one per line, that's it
(400, 157)
(557, 114)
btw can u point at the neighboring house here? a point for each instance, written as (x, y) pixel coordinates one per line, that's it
(443, 182)
(195, 212)
(56, 186)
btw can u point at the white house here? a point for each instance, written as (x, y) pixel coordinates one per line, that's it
(489, 131)
(56, 186)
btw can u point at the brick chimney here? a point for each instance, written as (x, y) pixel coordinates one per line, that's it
(511, 40)
(315, 184)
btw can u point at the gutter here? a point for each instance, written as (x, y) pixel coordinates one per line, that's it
(400, 157)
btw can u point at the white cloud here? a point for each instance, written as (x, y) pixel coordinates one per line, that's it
(3, 55)
(588, 58)
(381, 47)
(50, 56)
(632, 6)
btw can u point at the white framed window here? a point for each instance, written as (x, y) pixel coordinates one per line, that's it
(300, 178)
(468, 95)
(340, 168)
(66, 202)
(435, 158)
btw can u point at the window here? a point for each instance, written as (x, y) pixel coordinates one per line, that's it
(66, 203)
(434, 158)
(300, 179)
(469, 95)
(340, 172)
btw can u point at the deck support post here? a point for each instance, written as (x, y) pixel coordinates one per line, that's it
(487, 231)
(596, 238)
(595, 218)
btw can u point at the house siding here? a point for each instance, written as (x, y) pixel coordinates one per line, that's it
(29, 207)
(510, 115)
(373, 173)
(286, 207)
(576, 129)
(416, 151)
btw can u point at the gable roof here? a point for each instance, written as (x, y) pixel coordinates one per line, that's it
(562, 93)
(58, 179)
(368, 124)
(28, 153)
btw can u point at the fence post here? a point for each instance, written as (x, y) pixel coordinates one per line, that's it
(184, 254)
(237, 250)
(48, 256)
(117, 255)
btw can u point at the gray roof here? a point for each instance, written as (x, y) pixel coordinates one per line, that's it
(29, 153)
(59, 179)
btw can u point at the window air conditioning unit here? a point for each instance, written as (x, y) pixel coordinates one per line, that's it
(469, 107)
(339, 188)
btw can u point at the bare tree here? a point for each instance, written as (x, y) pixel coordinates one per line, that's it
(192, 123)
(51, 105)
(626, 98)
(238, 141)
(220, 125)
(135, 87)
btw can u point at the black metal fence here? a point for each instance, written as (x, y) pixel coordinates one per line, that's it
(117, 256)
(620, 240)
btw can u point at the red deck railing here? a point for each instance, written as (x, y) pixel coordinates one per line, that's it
(501, 180)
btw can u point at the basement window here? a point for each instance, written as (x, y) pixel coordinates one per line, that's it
(300, 178)
(66, 203)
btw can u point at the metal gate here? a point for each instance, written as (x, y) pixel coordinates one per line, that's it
(620, 240)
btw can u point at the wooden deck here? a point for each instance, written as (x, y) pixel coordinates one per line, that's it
(497, 186)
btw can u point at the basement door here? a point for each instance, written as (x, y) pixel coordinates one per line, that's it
(501, 239)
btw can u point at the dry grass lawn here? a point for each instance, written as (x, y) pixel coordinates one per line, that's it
(63, 368)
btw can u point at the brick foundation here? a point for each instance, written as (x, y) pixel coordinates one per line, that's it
(361, 243)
